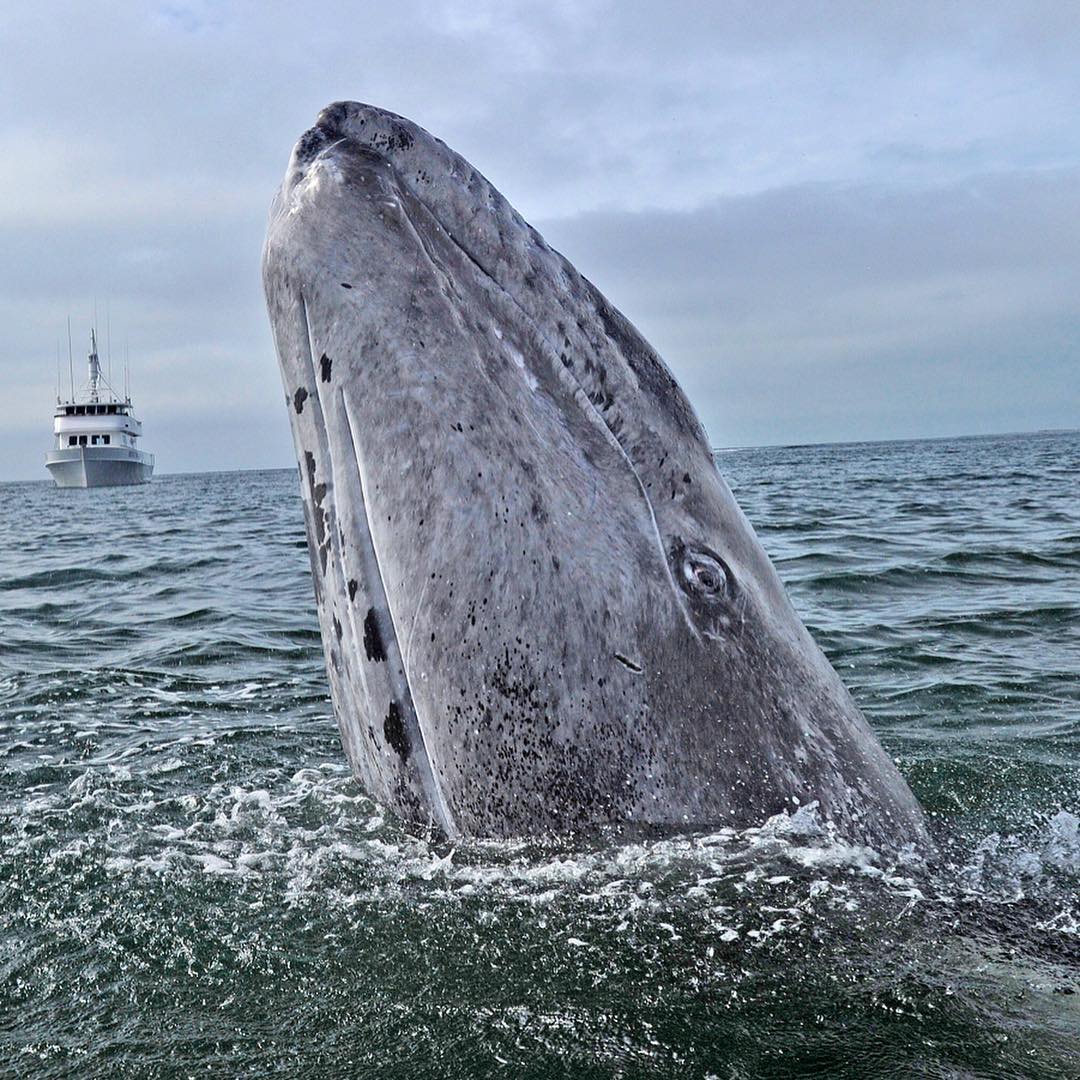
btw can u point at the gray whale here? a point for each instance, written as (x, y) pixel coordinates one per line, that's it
(541, 607)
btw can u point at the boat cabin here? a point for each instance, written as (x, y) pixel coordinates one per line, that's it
(111, 409)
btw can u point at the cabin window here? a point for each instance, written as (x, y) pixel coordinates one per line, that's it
(70, 409)
(80, 410)
(93, 440)
(105, 439)
(73, 440)
(82, 440)
(112, 410)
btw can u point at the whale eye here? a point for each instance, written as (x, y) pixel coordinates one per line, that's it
(703, 573)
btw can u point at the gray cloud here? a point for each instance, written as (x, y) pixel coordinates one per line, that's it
(835, 220)
(877, 311)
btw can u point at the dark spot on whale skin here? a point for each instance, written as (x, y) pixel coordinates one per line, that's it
(346, 285)
(311, 142)
(400, 137)
(318, 514)
(601, 399)
(299, 398)
(318, 491)
(628, 663)
(373, 642)
(352, 588)
(337, 628)
(309, 514)
(325, 364)
(686, 478)
(556, 564)
(395, 732)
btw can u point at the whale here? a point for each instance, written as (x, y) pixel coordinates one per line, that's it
(542, 610)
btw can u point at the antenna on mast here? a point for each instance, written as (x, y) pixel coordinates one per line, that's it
(71, 363)
(57, 371)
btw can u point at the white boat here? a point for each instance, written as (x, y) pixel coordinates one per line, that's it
(96, 436)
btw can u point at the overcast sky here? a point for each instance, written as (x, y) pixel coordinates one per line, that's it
(834, 221)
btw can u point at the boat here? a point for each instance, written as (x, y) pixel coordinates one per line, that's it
(96, 436)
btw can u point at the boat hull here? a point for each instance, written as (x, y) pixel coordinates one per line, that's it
(99, 466)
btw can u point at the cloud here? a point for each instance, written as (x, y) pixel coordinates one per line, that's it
(842, 312)
(666, 146)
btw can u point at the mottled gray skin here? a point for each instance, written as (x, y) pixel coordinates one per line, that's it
(541, 607)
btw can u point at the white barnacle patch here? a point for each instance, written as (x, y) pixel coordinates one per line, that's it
(519, 359)
(321, 173)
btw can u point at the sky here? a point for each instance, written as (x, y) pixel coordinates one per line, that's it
(835, 221)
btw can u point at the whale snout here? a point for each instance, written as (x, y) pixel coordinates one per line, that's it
(330, 126)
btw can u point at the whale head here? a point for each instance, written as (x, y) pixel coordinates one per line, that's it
(541, 607)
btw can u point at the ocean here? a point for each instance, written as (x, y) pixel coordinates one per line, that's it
(191, 883)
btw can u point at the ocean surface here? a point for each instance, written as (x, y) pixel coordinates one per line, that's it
(191, 884)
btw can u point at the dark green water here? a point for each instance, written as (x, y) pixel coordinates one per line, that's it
(192, 885)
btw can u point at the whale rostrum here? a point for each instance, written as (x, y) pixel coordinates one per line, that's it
(541, 607)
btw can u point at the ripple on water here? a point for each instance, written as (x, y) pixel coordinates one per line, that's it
(190, 881)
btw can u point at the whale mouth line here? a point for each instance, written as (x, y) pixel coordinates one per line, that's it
(406, 707)
(401, 705)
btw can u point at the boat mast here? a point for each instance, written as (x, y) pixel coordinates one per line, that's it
(95, 367)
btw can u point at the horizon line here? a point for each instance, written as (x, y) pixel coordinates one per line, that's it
(713, 449)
